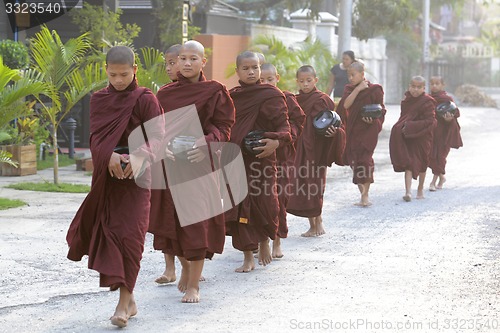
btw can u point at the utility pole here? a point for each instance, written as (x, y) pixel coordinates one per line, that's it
(345, 27)
(426, 42)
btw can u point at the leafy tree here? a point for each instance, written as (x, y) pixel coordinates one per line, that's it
(15, 54)
(103, 26)
(168, 15)
(288, 60)
(61, 68)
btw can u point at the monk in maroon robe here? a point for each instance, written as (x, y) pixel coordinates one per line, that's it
(446, 134)
(258, 107)
(410, 143)
(315, 153)
(194, 242)
(112, 222)
(285, 155)
(172, 67)
(361, 132)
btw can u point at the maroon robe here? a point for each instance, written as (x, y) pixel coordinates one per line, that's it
(446, 136)
(111, 224)
(216, 113)
(314, 154)
(258, 107)
(410, 148)
(361, 138)
(286, 157)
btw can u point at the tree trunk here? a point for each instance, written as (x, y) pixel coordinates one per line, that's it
(56, 155)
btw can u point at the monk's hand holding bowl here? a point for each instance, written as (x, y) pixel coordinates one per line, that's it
(115, 167)
(196, 155)
(330, 131)
(169, 154)
(268, 149)
(448, 116)
(135, 166)
(368, 120)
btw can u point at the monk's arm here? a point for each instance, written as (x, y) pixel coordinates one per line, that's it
(149, 109)
(296, 117)
(276, 111)
(223, 118)
(424, 125)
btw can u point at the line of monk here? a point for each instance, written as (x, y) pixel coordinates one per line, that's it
(285, 171)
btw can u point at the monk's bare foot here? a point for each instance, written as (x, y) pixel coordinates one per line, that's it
(407, 197)
(192, 296)
(309, 233)
(319, 226)
(182, 285)
(420, 194)
(132, 308)
(120, 318)
(432, 187)
(248, 263)
(442, 180)
(277, 248)
(167, 277)
(265, 256)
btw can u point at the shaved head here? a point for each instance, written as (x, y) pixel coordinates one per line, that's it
(418, 78)
(357, 66)
(306, 69)
(262, 58)
(269, 67)
(174, 49)
(193, 45)
(246, 55)
(122, 55)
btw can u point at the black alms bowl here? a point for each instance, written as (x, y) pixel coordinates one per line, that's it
(324, 120)
(252, 140)
(372, 111)
(180, 145)
(445, 107)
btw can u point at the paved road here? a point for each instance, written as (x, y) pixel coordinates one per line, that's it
(428, 265)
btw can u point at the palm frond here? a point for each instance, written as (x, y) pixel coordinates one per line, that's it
(6, 157)
(152, 73)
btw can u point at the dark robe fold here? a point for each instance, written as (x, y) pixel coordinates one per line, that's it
(314, 154)
(361, 138)
(216, 113)
(286, 157)
(446, 136)
(410, 143)
(111, 224)
(258, 107)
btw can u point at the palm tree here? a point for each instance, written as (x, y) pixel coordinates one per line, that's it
(61, 66)
(288, 60)
(15, 85)
(152, 73)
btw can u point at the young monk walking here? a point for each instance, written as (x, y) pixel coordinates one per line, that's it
(194, 242)
(172, 67)
(111, 224)
(258, 107)
(410, 143)
(361, 132)
(315, 153)
(446, 134)
(285, 155)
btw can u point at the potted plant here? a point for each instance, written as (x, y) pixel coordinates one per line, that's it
(18, 141)
(17, 128)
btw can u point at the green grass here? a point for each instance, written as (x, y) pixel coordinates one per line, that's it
(51, 187)
(64, 160)
(8, 203)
